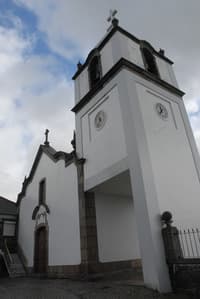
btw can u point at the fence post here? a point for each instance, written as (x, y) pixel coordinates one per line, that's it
(172, 245)
(171, 239)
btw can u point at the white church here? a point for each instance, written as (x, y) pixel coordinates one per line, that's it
(98, 208)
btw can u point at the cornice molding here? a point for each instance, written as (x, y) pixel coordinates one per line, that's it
(124, 63)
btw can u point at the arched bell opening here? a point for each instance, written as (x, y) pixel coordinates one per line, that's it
(94, 70)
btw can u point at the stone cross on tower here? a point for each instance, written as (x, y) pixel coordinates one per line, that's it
(46, 137)
(111, 19)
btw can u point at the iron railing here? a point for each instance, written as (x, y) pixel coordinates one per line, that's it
(7, 254)
(182, 250)
(190, 242)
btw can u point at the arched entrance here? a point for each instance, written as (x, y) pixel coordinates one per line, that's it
(41, 250)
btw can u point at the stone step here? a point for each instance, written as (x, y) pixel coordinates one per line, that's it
(13, 275)
(16, 266)
(15, 258)
(16, 269)
(17, 273)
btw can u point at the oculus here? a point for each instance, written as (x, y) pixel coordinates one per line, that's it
(100, 120)
(161, 111)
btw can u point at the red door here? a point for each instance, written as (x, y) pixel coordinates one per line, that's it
(41, 251)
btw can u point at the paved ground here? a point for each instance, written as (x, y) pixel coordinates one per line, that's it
(32, 288)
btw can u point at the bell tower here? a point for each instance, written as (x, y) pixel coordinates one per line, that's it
(134, 134)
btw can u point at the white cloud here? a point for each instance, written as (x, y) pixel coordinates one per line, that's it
(12, 46)
(32, 98)
(72, 27)
(192, 106)
(13, 159)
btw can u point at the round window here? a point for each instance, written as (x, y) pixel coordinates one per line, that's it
(100, 120)
(162, 111)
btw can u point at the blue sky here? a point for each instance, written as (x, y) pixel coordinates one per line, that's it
(11, 13)
(40, 45)
(34, 76)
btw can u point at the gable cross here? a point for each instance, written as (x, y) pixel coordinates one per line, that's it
(112, 15)
(46, 137)
(111, 19)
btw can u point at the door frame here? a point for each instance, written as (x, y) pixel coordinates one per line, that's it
(36, 244)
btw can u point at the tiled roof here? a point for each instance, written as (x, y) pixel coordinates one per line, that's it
(7, 207)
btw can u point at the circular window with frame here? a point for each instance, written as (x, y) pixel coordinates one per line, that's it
(100, 120)
(161, 111)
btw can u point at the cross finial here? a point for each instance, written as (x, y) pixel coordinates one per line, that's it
(73, 142)
(112, 15)
(111, 19)
(46, 137)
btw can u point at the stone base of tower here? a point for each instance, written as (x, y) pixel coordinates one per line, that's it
(131, 269)
(111, 267)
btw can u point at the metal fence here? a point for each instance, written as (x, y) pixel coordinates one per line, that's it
(190, 242)
(182, 250)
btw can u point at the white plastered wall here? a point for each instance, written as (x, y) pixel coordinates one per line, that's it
(83, 81)
(166, 71)
(106, 58)
(63, 220)
(116, 228)
(26, 228)
(129, 49)
(174, 167)
(105, 147)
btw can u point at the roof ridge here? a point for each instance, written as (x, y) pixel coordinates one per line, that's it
(10, 201)
(53, 155)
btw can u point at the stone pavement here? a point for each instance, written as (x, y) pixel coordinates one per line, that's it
(33, 288)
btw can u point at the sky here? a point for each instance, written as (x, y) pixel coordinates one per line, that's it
(41, 42)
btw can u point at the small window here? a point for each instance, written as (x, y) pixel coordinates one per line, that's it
(94, 70)
(9, 229)
(42, 192)
(149, 61)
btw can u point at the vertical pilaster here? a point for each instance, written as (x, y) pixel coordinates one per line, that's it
(91, 230)
(88, 227)
(146, 205)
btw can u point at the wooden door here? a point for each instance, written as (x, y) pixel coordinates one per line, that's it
(41, 251)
